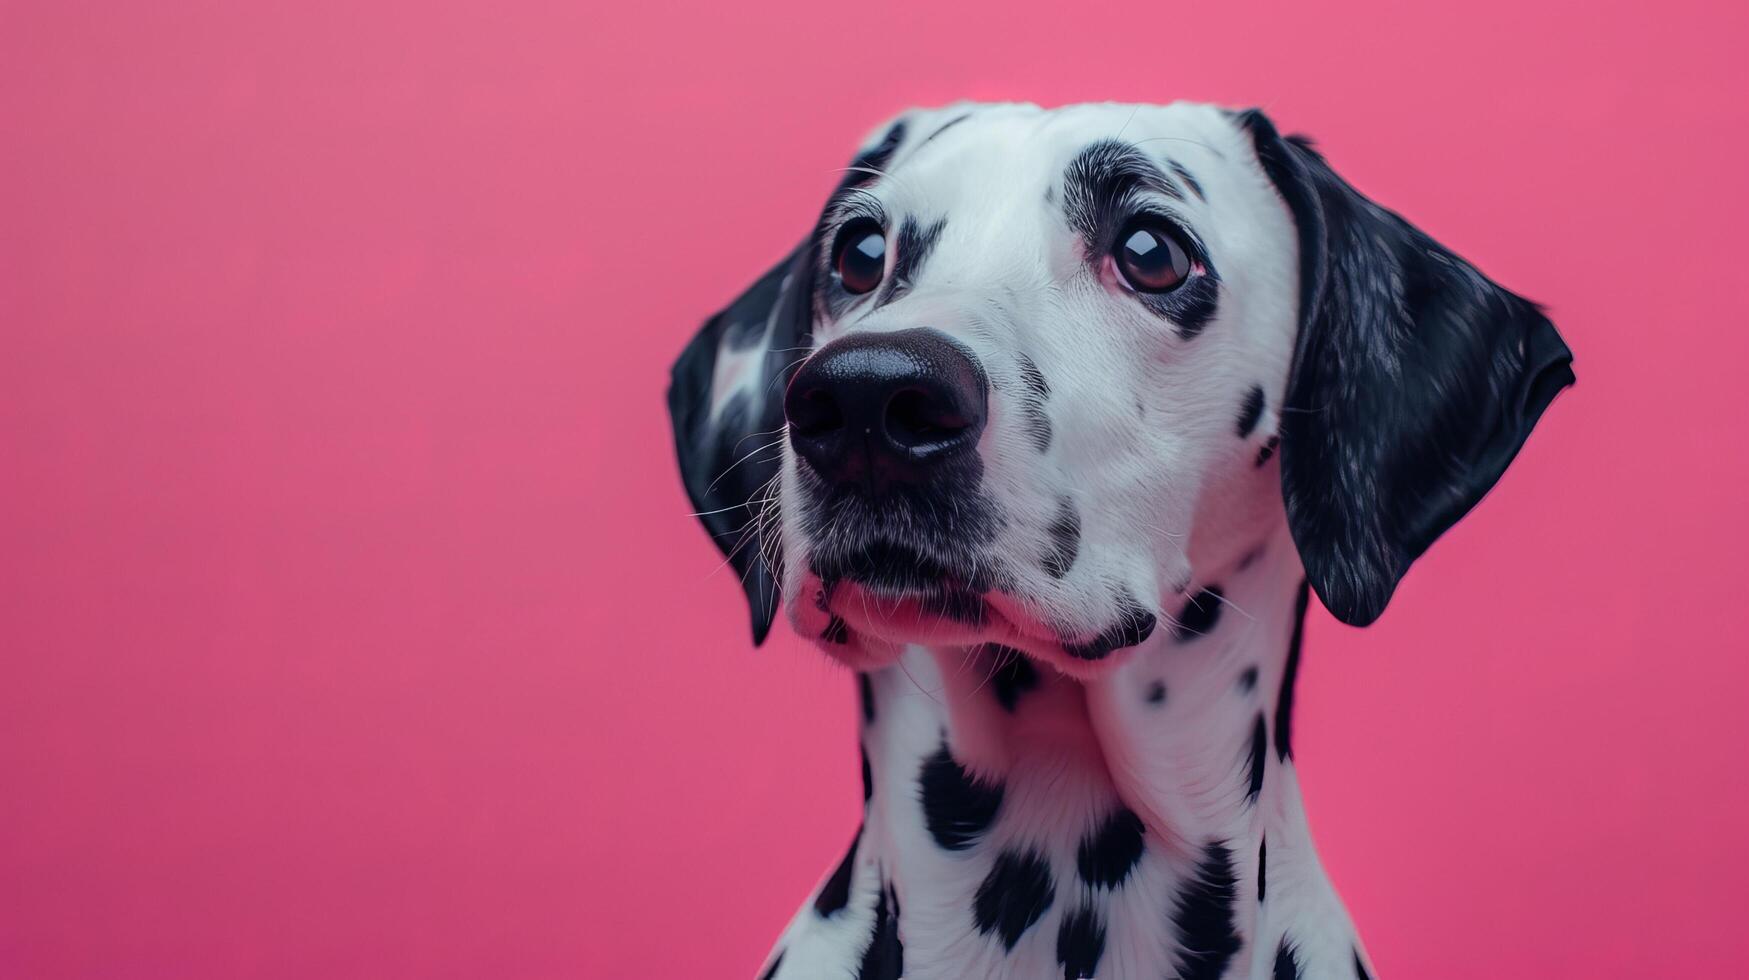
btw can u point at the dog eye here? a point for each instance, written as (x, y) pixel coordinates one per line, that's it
(1151, 258)
(860, 257)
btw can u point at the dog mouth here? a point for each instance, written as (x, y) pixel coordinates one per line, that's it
(896, 594)
(900, 593)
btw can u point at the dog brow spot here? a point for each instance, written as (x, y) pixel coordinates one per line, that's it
(1248, 680)
(1156, 693)
(1015, 894)
(1268, 450)
(957, 808)
(1200, 615)
(1251, 411)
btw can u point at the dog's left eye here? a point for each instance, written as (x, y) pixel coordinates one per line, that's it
(860, 256)
(1150, 257)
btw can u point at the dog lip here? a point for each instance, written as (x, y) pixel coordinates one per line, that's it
(891, 568)
(954, 617)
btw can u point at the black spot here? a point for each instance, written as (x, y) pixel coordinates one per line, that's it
(1250, 411)
(1199, 615)
(1014, 895)
(914, 247)
(951, 123)
(1065, 533)
(1284, 702)
(1038, 424)
(1287, 963)
(865, 694)
(884, 959)
(1014, 675)
(1203, 917)
(1101, 188)
(867, 775)
(956, 807)
(1156, 692)
(835, 893)
(1032, 408)
(1360, 968)
(1262, 866)
(1254, 766)
(1033, 378)
(1191, 305)
(837, 631)
(861, 171)
(1248, 680)
(1108, 855)
(1101, 183)
(1134, 625)
(771, 971)
(1189, 181)
(1080, 943)
(1268, 449)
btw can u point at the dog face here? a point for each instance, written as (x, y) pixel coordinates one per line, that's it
(1030, 370)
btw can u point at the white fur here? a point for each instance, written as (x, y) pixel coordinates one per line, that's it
(1170, 498)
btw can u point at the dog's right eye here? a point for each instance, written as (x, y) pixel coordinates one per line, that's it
(1151, 257)
(860, 256)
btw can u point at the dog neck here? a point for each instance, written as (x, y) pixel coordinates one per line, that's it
(1147, 822)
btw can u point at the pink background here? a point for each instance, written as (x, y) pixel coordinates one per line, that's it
(351, 620)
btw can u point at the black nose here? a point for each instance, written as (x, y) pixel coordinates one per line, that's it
(877, 408)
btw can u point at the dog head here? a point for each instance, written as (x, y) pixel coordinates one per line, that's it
(1031, 370)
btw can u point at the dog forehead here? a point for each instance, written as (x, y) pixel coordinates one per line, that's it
(982, 146)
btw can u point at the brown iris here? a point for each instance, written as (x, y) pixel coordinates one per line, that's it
(1150, 257)
(860, 257)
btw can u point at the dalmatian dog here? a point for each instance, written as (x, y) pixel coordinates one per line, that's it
(1047, 430)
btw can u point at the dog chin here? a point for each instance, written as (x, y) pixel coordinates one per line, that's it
(867, 628)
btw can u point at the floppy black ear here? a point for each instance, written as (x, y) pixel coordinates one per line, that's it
(725, 399)
(1415, 380)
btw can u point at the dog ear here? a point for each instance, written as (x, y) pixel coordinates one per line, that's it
(725, 400)
(1415, 380)
(725, 397)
